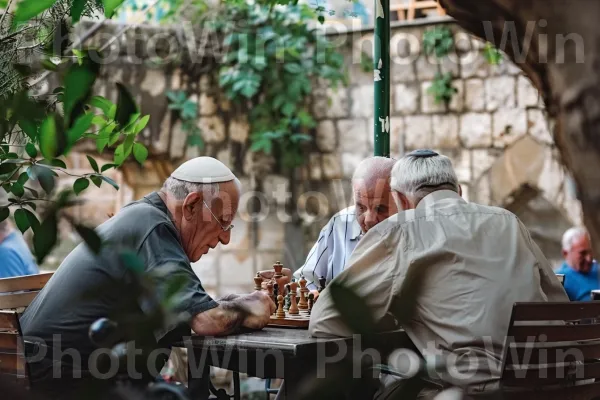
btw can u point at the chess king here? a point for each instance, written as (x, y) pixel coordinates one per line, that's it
(373, 203)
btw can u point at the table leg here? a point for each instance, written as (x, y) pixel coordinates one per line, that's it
(198, 386)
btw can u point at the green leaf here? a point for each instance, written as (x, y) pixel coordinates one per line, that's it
(140, 152)
(78, 83)
(48, 137)
(27, 9)
(99, 120)
(102, 103)
(132, 261)
(77, 8)
(58, 89)
(17, 189)
(45, 177)
(126, 106)
(45, 238)
(293, 68)
(4, 213)
(80, 126)
(33, 221)
(110, 6)
(107, 167)
(6, 168)
(33, 192)
(80, 185)
(21, 220)
(110, 181)
(90, 237)
(96, 179)
(288, 109)
(93, 163)
(29, 127)
(23, 178)
(31, 150)
(321, 19)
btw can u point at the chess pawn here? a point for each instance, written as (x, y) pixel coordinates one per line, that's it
(303, 304)
(280, 311)
(311, 302)
(293, 304)
(258, 281)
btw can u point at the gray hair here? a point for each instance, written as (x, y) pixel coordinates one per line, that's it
(416, 177)
(180, 189)
(571, 235)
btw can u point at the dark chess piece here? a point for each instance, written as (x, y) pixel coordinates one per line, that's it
(311, 302)
(322, 281)
(275, 292)
(288, 297)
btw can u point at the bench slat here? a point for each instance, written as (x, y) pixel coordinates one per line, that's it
(9, 321)
(556, 311)
(29, 282)
(17, 300)
(12, 364)
(9, 343)
(554, 333)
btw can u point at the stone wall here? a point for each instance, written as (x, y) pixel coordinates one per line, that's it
(494, 129)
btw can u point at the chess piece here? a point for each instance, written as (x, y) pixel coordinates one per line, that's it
(258, 281)
(275, 292)
(270, 289)
(280, 312)
(303, 304)
(322, 281)
(288, 297)
(293, 304)
(278, 267)
(311, 302)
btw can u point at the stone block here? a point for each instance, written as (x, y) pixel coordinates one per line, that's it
(482, 160)
(445, 131)
(161, 143)
(207, 105)
(362, 101)
(461, 162)
(473, 65)
(418, 132)
(538, 126)
(476, 130)
(426, 68)
(364, 44)
(349, 163)
(314, 165)
(451, 64)
(276, 189)
(462, 42)
(358, 75)
(403, 72)
(500, 92)
(474, 95)
(326, 136)
(406, 98)
(509, 126)
(353, 134)
(428, 103)
(339, 103)
(527, 94)
(239, 130)
(320, 103)
(457, 103)
(332, 166)
(212, 128)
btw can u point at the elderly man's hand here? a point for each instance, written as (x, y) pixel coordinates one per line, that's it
(260, 307)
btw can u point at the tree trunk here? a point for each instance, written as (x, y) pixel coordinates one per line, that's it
(557, 44)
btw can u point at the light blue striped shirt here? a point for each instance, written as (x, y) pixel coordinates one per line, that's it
(329, 255)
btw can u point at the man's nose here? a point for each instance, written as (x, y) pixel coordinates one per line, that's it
(370, 219)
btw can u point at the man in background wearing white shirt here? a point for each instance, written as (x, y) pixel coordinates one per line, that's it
(373, 203)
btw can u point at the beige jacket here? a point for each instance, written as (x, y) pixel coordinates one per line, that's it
(479, 261)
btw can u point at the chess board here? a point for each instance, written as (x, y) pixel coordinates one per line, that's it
(300, 320)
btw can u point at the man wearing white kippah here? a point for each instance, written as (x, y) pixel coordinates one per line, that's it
(168, 230)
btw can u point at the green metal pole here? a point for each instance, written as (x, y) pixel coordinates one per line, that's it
(381, 61)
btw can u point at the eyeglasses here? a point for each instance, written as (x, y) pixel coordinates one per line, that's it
(227, 229)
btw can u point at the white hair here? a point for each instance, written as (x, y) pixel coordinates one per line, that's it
(416, 177)
(180, 189)
(571, 235)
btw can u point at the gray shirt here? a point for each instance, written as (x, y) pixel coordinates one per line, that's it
(477, 262)
(87, 287)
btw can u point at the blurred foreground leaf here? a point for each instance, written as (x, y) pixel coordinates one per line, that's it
(90, 237)
(45, 238)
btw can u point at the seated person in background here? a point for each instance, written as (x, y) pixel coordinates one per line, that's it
(373, 203)
(580, 269)
(15, 257)
(471, 263)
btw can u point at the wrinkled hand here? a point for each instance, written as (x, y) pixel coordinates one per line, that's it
(260, 307)
(315, 293)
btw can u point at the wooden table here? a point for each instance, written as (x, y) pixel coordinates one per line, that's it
(285, 353)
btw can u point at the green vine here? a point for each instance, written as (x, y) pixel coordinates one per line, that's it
(441, 88)
(188, 114)
(492, 54)
(438, 41)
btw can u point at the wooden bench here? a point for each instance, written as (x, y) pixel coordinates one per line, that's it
(13, 367)
(18, 292)
(406, 10)
(552, 352)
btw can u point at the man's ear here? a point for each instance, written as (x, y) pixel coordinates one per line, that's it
(191, 205)
(564, 253)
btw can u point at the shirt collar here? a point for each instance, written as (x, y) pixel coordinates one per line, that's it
(356, 229)
(439, 196)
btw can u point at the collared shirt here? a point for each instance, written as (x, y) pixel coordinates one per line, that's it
(475, 261)
(331, 252)
(578, 285)
(16, 257)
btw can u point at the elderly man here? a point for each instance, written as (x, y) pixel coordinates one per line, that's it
(580, 269)
(473, 262)
(167, 230)
(373, 203)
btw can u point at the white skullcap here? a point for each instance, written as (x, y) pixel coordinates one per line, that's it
(203, 170)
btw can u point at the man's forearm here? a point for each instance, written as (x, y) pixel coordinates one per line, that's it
(227, 318)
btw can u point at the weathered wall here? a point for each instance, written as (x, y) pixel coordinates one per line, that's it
(494, 130)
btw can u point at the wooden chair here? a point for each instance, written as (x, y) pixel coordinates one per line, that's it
(13, 367)
(18, 292)
(406, 9)
(552, 352)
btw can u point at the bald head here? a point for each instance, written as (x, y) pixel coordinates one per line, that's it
(372, 193)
